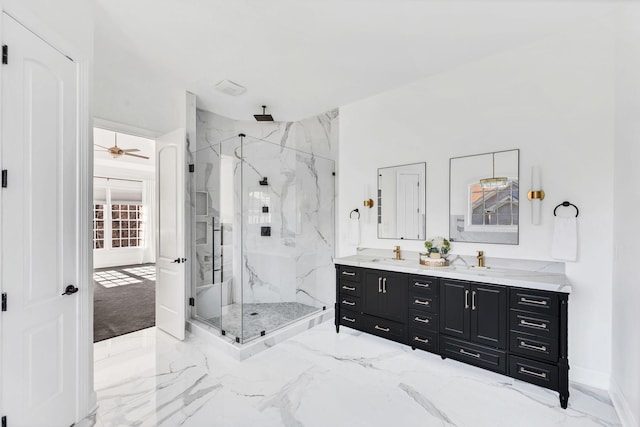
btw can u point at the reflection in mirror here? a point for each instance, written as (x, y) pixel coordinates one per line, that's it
(484, 198)
(401, 202)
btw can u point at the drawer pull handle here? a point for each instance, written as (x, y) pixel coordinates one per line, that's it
(533, 325)
(532, 301)
(421, 320)
(348, 319)
(422, 285)
(421, 302)
(382, 329)
(466, 353)
(535, 374)
(533, 347)
(424, 341)
(344, 301)
(348, 288)
(348, 273)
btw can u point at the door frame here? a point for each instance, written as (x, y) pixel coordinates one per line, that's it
(86, 400)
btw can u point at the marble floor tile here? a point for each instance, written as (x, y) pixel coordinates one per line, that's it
(318, 378)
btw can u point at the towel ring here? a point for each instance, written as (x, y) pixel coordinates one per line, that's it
(566, 204)
(356, 211)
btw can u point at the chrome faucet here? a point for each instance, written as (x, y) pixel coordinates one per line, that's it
(397, 252)
(480, 258)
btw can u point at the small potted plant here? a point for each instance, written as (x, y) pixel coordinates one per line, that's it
(438, 247)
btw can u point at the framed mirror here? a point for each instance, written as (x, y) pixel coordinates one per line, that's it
(484, 198)
(402, 202)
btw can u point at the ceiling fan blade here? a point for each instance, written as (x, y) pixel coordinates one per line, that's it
(136, 155)
(130, 150)
(101, 146)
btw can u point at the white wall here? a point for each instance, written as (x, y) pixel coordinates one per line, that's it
(625, 376)
(554, 101)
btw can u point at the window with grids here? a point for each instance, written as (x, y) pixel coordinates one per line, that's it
(98, 226)
(126, 225)
(494, 207)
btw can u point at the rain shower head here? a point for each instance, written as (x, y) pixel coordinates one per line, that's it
(264, 117)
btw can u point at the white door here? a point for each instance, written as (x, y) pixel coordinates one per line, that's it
(408, 206)
(39, 232)
(170, 259)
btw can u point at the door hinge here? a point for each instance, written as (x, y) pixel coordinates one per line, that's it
(4, 301)
(4, 178)
(5, 60)
(192, 302)
(192, 168)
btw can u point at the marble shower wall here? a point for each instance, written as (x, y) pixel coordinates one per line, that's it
(294, 263)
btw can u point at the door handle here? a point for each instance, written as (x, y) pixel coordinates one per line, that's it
(179, 261)
(384, 285)
(473, 300)
(466, 299)
(70, 290)
(379, 284)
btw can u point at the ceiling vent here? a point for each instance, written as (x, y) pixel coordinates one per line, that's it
(230, 88)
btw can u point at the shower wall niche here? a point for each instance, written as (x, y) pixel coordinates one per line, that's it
(264, 222)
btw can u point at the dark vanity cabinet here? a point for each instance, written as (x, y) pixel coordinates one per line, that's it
(424, 311)
(515, 331)
(385, 295)
(372, 301)
(475, 314)
(538, 339)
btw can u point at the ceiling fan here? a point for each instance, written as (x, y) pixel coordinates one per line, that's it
(116, 151)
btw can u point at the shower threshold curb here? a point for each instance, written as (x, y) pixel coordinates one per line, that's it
(244, 351)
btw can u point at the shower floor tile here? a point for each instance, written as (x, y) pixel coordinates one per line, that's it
(255, 318)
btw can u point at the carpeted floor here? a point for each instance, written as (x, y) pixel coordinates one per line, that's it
(125, 301)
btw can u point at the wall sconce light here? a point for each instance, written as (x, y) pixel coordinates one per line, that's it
(536, 195)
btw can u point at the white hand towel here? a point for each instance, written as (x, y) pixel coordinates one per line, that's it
(565, 238)
(354, 231)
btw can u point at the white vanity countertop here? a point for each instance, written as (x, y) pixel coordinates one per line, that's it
(544, 281)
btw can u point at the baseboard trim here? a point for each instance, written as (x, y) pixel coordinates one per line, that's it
(622, 406)
(589, 377)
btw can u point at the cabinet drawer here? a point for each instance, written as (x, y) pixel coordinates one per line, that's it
(536, 301)
(424, 302)
(351, 319)
(350, 288)
(350, 302)
(533, 323)
(533, 346)
(474, 354)
(352, 274)
(423, 284)
(423, 320)
(385, 328)
(423, 340)
(538, 373)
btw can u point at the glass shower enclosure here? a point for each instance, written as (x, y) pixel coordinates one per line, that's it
(264, 236)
